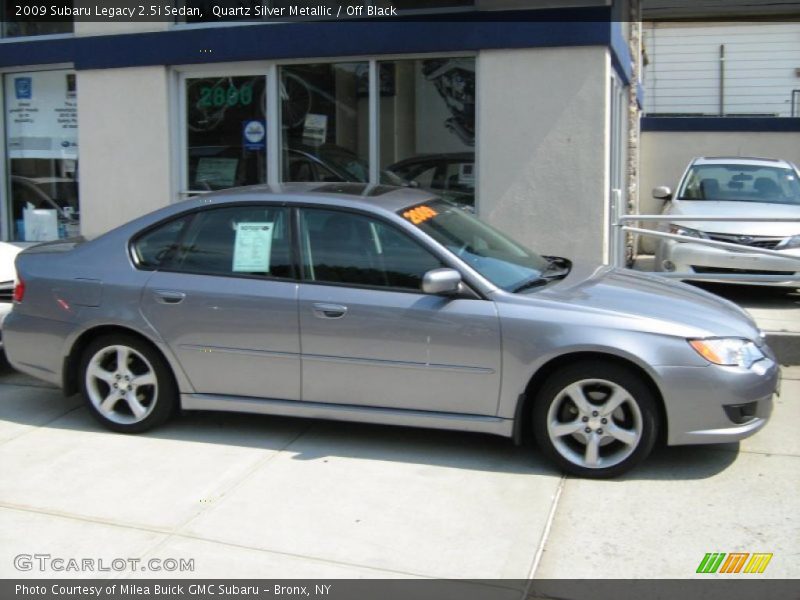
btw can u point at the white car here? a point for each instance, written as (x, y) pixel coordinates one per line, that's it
(735, 187)
(8, 252)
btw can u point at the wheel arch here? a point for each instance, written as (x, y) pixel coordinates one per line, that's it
(70, 375)
(522, 417)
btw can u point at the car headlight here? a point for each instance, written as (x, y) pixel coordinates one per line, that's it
(732, 352)
(789, 243)
(688, 232)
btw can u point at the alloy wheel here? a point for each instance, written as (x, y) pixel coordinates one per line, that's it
(121, 384)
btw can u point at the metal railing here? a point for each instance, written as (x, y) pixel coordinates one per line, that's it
(620, 229)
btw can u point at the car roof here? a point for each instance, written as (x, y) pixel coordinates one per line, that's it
(43, 179)
(353, 195)
(742, 160)
(444, 156)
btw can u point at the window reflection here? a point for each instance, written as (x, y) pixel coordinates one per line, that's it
(325, 122)
(226, 132)
(41, 126)
(427, 124)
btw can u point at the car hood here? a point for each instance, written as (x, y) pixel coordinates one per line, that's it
(738, 209)
(653, 303)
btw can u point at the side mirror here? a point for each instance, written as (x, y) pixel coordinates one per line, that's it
(441, 281)
(662, 192)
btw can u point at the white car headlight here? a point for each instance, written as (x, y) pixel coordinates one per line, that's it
(789, 243)
(732, 352)
(688, 232)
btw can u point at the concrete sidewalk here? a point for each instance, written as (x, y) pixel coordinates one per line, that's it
(251, 496)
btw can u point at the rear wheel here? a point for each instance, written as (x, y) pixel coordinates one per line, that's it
(127, 385)
(595, 419)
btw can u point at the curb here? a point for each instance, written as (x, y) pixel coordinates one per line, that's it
(786, 347)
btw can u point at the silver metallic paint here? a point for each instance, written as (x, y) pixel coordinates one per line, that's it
(400, 358)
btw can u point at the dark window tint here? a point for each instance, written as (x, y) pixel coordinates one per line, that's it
(243, 240)
(156, 245)
(226, 131)
(346, 248)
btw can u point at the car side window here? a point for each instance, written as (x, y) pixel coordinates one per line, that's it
(347, 248)
(241, 240)
(152, 248)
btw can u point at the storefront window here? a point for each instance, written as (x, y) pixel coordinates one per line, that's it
(226, 132)
(23, 19)
(419, 126)
(325, 122)
(30, 28)
(427, 124)
(41, 126)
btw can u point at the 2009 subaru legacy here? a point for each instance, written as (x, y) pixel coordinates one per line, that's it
(384, 305)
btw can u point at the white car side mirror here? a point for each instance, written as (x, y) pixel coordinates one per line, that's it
(662, 192)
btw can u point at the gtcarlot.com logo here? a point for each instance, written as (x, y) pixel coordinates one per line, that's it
(734, 562)
(60, 564)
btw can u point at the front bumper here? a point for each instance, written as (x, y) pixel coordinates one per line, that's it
(713, 404)
(688, 257)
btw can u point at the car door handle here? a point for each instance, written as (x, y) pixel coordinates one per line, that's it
(169, 296)
(329, 311)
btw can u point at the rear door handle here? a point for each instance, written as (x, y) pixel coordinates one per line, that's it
(329, 311)
(169, 296)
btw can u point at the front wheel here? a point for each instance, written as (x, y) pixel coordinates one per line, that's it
(595, 419)
(127, 385)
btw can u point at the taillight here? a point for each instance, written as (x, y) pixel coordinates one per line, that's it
(19, 290)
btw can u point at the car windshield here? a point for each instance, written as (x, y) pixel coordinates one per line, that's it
(498, 258)
(741, 183)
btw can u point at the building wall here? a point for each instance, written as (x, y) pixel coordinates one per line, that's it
(683, 74)
(542, 155)
(665, 156)
(543, 146)
(124, 141)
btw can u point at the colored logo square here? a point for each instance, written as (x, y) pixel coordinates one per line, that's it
(23, 88)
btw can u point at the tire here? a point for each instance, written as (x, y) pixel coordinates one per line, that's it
(144, 389)
(612, 402)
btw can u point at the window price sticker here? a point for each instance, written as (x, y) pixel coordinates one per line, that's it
(253, 247)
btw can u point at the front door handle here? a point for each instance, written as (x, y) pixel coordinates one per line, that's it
(169, 296)
(329, 311)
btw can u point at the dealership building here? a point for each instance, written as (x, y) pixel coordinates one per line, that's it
(519, 111)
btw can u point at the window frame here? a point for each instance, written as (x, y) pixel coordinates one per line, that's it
(416, 236)
(299, 208)
(167, 265)
(6, 196)
(274, 150)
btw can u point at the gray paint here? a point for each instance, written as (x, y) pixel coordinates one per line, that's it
(397, 358)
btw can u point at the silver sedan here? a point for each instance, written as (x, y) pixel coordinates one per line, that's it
(384, 305)
(735, 187)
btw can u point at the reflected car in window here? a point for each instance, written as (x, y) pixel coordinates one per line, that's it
(386, 305)
(330, 163)
(451, 176)
(213, 168)
(735, 187)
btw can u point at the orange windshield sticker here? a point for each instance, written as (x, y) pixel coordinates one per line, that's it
(420, 214)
